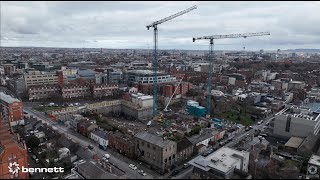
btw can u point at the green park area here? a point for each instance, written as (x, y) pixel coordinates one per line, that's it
(237, 117)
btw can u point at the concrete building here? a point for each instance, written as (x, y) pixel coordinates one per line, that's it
(314, 93)
(142, 100)
(146, 77)
(75, 91)
(33, 78)
(11, 110)
(154, 150)
(296, 121)
(296, 85)
(17, 85)
(222, 164)
(12, 150)
(9, 68)
(43, 92)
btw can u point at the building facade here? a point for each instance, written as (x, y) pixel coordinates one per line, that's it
(104, 90)
(11, 109)
(43, 92)
(122, 144)
(296, 121)
(154, 150)
(33, 78)
(75, 91)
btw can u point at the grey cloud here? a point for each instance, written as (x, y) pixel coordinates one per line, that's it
(122, 24)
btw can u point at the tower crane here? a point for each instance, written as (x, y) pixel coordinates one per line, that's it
(155, 61)
(211, 38)
(165, 109)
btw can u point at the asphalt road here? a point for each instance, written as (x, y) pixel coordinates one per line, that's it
(121, 162)
(241, 135)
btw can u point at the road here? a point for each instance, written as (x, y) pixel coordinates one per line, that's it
(118, 160)
(241, 135)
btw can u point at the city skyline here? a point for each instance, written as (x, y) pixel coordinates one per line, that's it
(88, 24)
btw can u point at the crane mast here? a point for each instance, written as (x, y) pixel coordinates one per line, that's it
(211, 53)
(155, 61)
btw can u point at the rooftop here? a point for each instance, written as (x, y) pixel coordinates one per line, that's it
(315, 160)
(7, 98)
(294, 142)
(300, 112)
(223, 160)
(152, 139)
(102, 134)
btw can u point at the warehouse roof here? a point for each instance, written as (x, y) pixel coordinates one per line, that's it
(7, 98)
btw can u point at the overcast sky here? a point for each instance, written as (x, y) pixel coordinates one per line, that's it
(123, 24)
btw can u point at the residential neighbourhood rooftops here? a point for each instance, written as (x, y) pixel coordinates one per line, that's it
(153, 139)
(8, 99)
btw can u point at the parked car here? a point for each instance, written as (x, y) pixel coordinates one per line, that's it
(37, 161)
(106, 156)
(132, 166)
(90, 146)
(142, 173)
(29, 150)
(34, 157)
(186, 165)
(175, 172)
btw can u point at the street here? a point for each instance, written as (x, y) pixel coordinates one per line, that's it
(240, 136)
(120, 161)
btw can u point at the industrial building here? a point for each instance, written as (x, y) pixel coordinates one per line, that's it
(222, 164)
(296, 121)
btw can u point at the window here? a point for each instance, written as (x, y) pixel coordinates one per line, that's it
(148, 145)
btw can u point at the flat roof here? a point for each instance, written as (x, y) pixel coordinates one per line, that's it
(315, 160)
(7, 98)
(223, 160)
(294, 142)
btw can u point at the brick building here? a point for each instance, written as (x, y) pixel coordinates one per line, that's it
(11, 109)
(122, 144)
(11, 150)
(44, 92)
(75, 91)
(85, 127)
(103, 90)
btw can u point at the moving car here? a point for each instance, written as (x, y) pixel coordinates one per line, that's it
(132, 166)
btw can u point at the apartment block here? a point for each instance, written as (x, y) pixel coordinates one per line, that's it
(11, 110)
(104, 90)
(43, 92)
(75, 91)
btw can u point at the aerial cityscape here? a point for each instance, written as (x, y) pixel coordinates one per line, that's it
(159, 90)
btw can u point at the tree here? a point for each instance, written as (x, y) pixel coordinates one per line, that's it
(33, 141)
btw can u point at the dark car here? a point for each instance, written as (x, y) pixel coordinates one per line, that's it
(175, 172)
(90, 146)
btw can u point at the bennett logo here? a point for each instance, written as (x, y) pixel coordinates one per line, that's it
(14, 168)
(43, 170)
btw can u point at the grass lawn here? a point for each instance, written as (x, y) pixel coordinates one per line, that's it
(234, 117)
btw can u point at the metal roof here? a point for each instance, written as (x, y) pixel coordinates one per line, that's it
(7, 98)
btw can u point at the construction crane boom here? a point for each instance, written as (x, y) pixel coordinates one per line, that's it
(211, 38)
(155, 61)
(165, 109)
(172, 16)
(232, 36)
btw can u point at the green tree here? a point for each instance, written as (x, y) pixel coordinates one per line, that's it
(33, 141)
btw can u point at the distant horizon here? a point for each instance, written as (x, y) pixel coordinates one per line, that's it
(316, 49)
